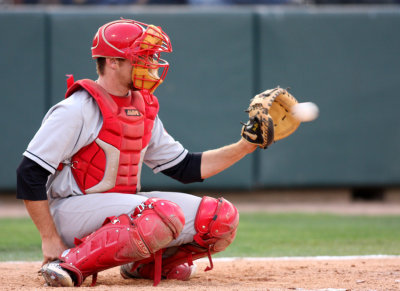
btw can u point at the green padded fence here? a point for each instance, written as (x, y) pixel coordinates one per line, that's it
(349, 64)
(23, 86)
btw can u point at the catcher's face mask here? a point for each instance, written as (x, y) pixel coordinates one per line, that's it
(141, 44)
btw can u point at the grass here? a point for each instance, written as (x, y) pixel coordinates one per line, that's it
(19, 240)
(259, 235)
(272, 235)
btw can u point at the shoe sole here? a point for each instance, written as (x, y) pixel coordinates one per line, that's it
(55, 276)
(126, 274)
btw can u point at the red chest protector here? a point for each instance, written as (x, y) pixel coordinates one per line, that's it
(111, 162)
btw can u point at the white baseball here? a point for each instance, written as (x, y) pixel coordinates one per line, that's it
(305, 112)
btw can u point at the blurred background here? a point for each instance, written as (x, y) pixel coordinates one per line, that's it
(342, 55)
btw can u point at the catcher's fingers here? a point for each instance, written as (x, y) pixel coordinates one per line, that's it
(52, 248)
(259, 132)
(47, 260)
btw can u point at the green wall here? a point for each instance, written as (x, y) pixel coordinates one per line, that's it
(345, 60)
(349, 64)
(23, 86)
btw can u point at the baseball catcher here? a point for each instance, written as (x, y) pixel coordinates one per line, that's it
(80, 174)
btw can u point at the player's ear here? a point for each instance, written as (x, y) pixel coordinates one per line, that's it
(112, 63)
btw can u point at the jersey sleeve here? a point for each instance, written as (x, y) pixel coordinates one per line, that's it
(163, 151)
(67, 127)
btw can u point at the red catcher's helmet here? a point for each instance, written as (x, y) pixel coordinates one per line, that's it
(138, 42)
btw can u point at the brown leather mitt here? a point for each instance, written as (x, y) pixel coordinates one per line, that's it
(270, 117)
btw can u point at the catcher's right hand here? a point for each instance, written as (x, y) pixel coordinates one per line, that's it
(270, 117)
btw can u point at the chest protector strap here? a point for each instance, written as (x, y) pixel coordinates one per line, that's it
(111, 162)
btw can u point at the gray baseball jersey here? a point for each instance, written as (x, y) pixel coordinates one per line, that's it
(74, 123)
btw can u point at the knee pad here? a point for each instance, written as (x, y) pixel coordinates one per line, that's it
(123, 239)
(216, 223)
(159, 221)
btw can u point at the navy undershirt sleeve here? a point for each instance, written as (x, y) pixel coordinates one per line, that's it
(188, 170)
(31, 181)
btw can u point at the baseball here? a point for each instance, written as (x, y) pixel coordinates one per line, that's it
(305, 112)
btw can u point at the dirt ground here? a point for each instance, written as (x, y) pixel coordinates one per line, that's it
(346, 273)
(239, 274)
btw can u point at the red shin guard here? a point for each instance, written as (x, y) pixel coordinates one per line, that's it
(216, 224)
(124, 239)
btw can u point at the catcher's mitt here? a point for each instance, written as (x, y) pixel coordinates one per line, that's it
(270, 118)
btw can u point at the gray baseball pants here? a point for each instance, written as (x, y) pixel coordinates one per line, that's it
(78, 216)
